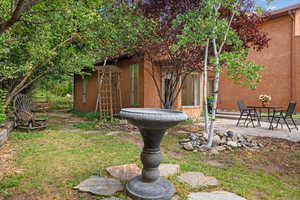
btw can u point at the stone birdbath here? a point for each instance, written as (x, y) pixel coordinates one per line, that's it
(152, 124)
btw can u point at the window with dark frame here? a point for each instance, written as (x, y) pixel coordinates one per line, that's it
(190, 94)
(134, 84)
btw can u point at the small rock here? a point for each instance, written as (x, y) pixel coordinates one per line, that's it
(205, 135)
(188, 146)
(182, 132)
(218, 195)
(223, 140)
(260, 145)
(221, 134)
(230, 133)
(220, 148)
(216, 140)
(214, 151)
(204, 148)
(112, 133)
(197, 179)
(100, 186)
(168, 169)
(124, 172)
(232, 144)
(193, 137)
(184, 141)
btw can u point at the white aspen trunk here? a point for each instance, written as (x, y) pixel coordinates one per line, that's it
(205, 88)
(215, 101)
(217, 53)
(214, 109)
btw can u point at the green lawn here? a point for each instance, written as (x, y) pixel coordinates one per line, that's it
(51, 162)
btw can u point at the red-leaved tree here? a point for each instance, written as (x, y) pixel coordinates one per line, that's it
(190, 58)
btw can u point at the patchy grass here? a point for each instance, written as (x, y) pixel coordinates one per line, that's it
(87, 115)
(54, 162)
(25, 136)
(86, 125)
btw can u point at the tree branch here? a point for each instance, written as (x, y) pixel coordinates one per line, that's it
(17, 13)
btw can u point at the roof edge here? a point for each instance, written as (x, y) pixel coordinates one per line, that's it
(283, 11)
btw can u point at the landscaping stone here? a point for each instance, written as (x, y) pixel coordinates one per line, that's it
(100, 186)
(216, 140)
(168, 169)
(113, 133)
(214, 151)
(218, 195)
(124, 172)
(197, 179)
(188, 146)
(182, 132)
(222, 141)
(232, 144)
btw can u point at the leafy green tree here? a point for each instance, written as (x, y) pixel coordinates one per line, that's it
(38, 38)
(224, 48)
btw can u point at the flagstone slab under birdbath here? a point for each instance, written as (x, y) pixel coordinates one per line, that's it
(197, 179)
(124, 172)
(168, 169)
(100, 186)
(152, 124)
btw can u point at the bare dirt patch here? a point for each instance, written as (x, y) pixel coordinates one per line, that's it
(7, 153)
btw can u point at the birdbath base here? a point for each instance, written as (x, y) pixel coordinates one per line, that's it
(161, 189)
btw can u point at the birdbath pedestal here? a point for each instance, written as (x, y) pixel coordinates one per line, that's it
(152, 124)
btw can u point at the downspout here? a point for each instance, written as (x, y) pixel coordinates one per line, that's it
(292, 64)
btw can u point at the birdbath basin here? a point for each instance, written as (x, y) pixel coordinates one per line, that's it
(152, 124)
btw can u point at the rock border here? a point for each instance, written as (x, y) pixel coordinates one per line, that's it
(5, 131)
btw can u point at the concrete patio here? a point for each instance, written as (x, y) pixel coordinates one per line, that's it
(263, 131)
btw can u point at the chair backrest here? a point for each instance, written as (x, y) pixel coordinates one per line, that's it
(291, 109)
(241, 105)
(22, 103)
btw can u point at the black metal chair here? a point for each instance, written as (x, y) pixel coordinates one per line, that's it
(284, 115)
(249, 113)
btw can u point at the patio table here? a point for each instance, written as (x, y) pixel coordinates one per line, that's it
(270, 109)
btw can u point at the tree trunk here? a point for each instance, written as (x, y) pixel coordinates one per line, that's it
(215, 100)
(205, 88)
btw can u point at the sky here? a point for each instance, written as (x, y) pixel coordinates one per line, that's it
(276, 4)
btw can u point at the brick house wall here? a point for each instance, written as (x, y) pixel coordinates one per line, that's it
(281, 77)
(148, 96)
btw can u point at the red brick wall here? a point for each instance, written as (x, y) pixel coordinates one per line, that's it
(276, 78)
